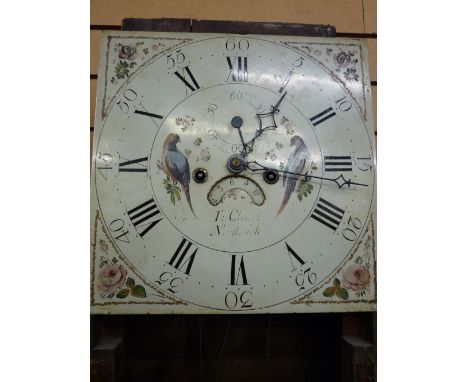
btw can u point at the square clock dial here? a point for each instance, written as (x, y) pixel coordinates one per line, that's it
(232, 174)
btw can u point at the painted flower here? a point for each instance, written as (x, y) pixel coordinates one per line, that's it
(355, 277)
(103, 245)
(270, 154)
(128, 52)
(156, 47)
(367, 243)
(351, 74)
(111, 278)
(288, 125)
(303, 188)
(342, 60)
(122, 69)
(185, 122)
(205, 154)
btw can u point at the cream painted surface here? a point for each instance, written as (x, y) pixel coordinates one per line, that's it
(242, 253)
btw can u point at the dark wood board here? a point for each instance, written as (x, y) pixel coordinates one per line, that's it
(225, 26)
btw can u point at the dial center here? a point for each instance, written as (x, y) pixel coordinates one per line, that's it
(236, 163)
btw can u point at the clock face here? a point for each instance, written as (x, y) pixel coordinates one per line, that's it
(230, 174)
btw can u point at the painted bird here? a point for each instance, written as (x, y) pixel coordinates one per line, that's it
(296, 164)
(176, 165)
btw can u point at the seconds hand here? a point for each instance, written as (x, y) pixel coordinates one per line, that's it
(237, 122)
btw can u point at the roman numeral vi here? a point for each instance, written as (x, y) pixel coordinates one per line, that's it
(238, 270)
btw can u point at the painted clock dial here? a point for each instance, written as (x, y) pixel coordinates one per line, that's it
(232, 174)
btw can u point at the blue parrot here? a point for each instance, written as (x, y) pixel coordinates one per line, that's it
(296, 164)
(176, 165)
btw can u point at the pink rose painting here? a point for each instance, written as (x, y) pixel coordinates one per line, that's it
(342, 60)
(355, 277)
(128, 52)
(111, 278)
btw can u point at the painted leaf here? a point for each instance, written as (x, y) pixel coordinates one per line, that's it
(138, 291)
(342, 293)
(130, 282)
(122, 293)
(329, 292)
(336, 283)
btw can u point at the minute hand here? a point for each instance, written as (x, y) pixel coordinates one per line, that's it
(340, 180)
